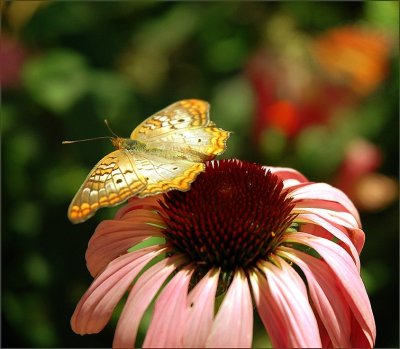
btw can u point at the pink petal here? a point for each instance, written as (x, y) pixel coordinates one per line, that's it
(150, 203)
(351, 284)
(114, 237)
(342, 218)
(140, 297)
(291, 275)
(268, 310)
(284, 307)
(358, 338)
(345, 219)
(335, 231)
(201, 311)
(325, 339)
(97, 304)
(287, 174)
(233, 325)
(167, 324)
(320, 195)
(357, 237)
(328, 300)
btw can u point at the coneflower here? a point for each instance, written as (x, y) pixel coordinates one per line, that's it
(259, 238)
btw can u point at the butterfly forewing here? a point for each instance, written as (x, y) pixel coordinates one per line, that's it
(183, 127)
(181, 115)
(114, 179)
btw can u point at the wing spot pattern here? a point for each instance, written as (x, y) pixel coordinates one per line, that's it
(103, 191)
(193, 111)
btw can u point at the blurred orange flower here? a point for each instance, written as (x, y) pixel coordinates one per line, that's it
(353, 56)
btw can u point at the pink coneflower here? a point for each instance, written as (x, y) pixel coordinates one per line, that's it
(257, 238)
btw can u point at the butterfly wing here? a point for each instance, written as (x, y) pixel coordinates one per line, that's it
(114, 179)
(179, 115)
(163, 174)
(185, 129)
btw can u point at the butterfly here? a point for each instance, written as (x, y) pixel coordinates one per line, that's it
(166, 151)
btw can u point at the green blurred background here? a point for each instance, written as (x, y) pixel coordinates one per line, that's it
(305, 85)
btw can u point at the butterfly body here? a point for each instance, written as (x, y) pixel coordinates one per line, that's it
(128, 144)
(165, 152)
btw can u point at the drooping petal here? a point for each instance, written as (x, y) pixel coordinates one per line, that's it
(320, 223)
(114, 237)
(284, 307)
(357, 237)
(344, 219)
(167, 324)
(139, 298)
(358, 338)
(325, 192)
(268, 310)
(97, 304)
(325, 339)
(327, 297)
(201, 311)
(322, 195)
(233, 325)
(349, 279)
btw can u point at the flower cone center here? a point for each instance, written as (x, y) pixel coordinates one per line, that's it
(232, 216)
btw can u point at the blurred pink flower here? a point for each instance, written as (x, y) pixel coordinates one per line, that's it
(356, 176)
(258, 236)
(361, 157)
(12, 58)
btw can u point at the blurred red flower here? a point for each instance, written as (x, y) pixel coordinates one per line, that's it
(304, 81)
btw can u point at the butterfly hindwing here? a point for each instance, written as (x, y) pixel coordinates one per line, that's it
(198, 144)
(114, 179)
(162, 174)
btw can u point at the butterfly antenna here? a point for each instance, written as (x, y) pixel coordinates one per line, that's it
(86, 139)
(110, 129)
(92, 139)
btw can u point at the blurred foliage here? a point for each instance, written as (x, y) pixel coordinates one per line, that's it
(67, 66)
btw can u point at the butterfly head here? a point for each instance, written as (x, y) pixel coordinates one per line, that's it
(118, 142)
